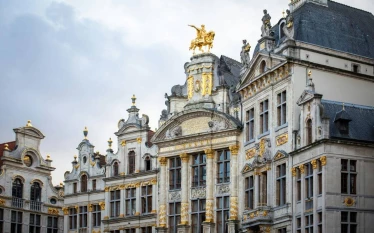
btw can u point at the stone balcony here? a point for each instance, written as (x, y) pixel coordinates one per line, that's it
(260, 215)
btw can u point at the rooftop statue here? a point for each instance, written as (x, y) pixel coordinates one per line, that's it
(289, 19)
(202, 39)
(266, 24)
(244, 54)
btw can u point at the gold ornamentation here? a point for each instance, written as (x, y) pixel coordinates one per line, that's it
(90, 207)
(76, 166)
(121, 215)
(209, 153)
(133, 99)
(137, 171)
(349, 201)
(233, 208)
(199, 67)
(123, 143)
(110, 143)
(209, 211)
(202, 39)
(137, 214)
(139, 140)
(154, 212)
(66, 210)
(106, 217)
(207, 85)
(53, 211)
(264, 213)
(92, 163)
(102, 205)
(122, 174)
(184, 157)
(301, 167)
(28, 124)
(98, 231)
(190, 87)
(6, 148)
(162, 216)
(106, 189)
(261, 149)
(250, 153)
(252, 215)
(234, 149)
(197, 86)
(323, 160)
(282, 139)
(77, 208)
(293, 171)
(163, 161)
(246, 168)
(2, 202)
(314, 163)
(279, 156)
(85, 132)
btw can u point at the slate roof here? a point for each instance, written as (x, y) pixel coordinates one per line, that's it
(361, 126)
(230, 70)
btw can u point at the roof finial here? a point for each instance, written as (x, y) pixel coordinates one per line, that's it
(85, 132)
(75, 157)
(6, 148)
(110, 143)
(283, 13)
(28, 124)
(48, 158)
(343, 107)
(133, 98)
(61, 184)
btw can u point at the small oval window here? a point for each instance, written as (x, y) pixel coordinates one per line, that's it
(53, 200)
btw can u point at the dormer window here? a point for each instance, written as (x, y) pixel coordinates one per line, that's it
(341, 121)
(115, 169)
(147, 163)
(131, 162)
(309, 132)
(262, 67)
(355, 68)
(84, 183)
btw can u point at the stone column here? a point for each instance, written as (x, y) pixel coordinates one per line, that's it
(77, 208)
(122, 202)
(162, 198)
(302, 175)
(209, 214)
(233, 220)
(89, 217)
(184, 189)
(104, 206)
(138, 203)
(66, 219)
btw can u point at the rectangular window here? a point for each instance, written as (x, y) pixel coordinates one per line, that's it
(308, 186)
(282, 108)
(146, 230)
(34, 225)
(281, 184)
(116, 231)
(130, 201)
(96, 216)
(282, 230)
(198, 215)
(74, 187)
(82, 216)
(348, 222)
(298, 184)
(146, 199)
(131, 158)
(175, 173)
(320, 222)
(199, 170)
(250, 124)
(348, 176)
(319, 176)
(130, 230)
(115, 200)
(52, 224)
(249, 192)
(222, 213)
(263, 189)
(174, 216)
(94, 185)
(1, 220)
(298, 225)
(264, 116)
(16, 222)
(309, 223)
(72, 218)
(223, 164)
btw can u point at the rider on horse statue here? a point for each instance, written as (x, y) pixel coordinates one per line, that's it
(202, 39)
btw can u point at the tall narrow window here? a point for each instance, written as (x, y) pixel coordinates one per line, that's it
(130, 201)
(249, 188)
(348, 176)
(262, 67)
(282, 108)
(319, 222)
(131, 162)
(223, 164)
(74, 187)
(264, 116)
(198, 215)
(282, 230)
(309, 134)
(147, 163)
(16, 222)
(83, 216)
(83, 183)
(298, 225)
(35, 196)
(146, 230)
(222, 213)
(130, 230)
(34, 225)
(309, 223)
(199, 170)
(115, 200)
(319, 174)
(72, 218)
(174, 216)
(146, 198)
(52, 224)
(348, 222)
(263, 189)
(115, 169)
(1, 220)
(94, 185)
(250, 124)
(175, 173)
(298, 184)
(17, 193)
(281, 184)
(96, 216)
(308, 186)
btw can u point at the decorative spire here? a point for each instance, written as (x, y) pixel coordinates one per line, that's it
(6, 148)
(61, 184)
(133, 98)
(48, 158)
(75, 158)
(28, 124)
(110, 143)
(283, 13)
(85, 132)
(343, 107)
(310, 82)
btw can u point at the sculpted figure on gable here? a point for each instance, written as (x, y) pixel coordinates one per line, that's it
(174, 132)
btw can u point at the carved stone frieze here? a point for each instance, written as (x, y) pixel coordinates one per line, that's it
(223, 189)
(198, 193)
(175, 196)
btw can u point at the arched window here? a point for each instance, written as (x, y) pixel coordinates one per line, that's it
(262, 67)
(115, 169)
(17, 188)
(309, 135)
(147, 163)
(131, 162)
(84, 183)
(36, 192)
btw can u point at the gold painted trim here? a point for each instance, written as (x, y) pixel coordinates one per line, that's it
(282, 139)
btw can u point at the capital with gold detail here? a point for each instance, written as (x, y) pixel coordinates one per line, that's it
(209, 153)
(184, 157)
(234, 149)
(162, 161)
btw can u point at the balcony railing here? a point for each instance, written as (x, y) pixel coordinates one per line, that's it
(17, 202)
(35, 206)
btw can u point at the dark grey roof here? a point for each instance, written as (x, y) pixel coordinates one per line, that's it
(230, 70)
(361, 126)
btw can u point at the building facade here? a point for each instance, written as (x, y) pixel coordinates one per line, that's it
(28, 200)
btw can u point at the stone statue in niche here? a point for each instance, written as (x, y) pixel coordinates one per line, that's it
(174, 132)
(266, 25)
(244, 54)
(288, 28)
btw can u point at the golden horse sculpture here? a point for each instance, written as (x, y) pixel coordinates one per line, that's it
(202, 39)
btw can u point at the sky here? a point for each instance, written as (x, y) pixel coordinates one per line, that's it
(69, 64)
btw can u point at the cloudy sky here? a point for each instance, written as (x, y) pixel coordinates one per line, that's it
(75, 63)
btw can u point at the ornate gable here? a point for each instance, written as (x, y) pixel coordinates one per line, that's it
(247, 168)
(280, 155)
(306, 96)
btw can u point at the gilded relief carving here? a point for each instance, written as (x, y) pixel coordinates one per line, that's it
(250, 153)
(190, 86)
(207, 84)
(175, 196)
(209, 211)
(282, 139)
(162, 216)
(184, 213)
(233, 208)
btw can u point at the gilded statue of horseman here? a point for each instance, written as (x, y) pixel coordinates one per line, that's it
(202, 39)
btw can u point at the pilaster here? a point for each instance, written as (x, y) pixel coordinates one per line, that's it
(234, 182)
(209, 214)
(208, 227)
(184, 191)
(162, 206)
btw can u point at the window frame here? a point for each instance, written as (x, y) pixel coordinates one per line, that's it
(319, 178)
(250, 124)
(224, 176)
(199, 170)
(115, 203)
(223, 209)
(309, 222)
(115, 170)
(174, 216)
(282, 108)
(84, 181)
(199, 213)
(146, 198)
(349, 175)
(83, 217)
(96, 215)
(73, 218)
(130, 201)
(175, 173)
(34, 225)
(17, 188)
(147, 163)
(349, 223)
(131, 162)
(249, 192)
(281, 184)
(52, 226)
(264, 116)
(16, 223)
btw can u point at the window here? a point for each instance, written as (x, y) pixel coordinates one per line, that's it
(262, 67)
(264, 116)
(16, 222)
(263, 189)
(281, 184)
(34, 225)
(35, 193)
(309, 186)
(115, 169)
(319, 176)
(1, 220)
(282, 108)
(198, 215)
(348, 176)
(115, 200)
(74, 187)
(250, 124)
(94, 185)
(17, 188)
(355, 68)
(130, 201)
(174, 216)
(249, 188)
(52, 224)
(146, 230)
(146, 199)
(72, 218)
(131, 162)
(298, 184)
(319, 222)
(175, 173)
(348, 222)
(309, 134)
(148, 163)
(282, 230)
(309, 223)
(96, 216)
(130, 230)
(222, 213)
(84, 183)
(223, 166)
(82, 216)
(298, 225)
(199, 170)
(116, 231)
